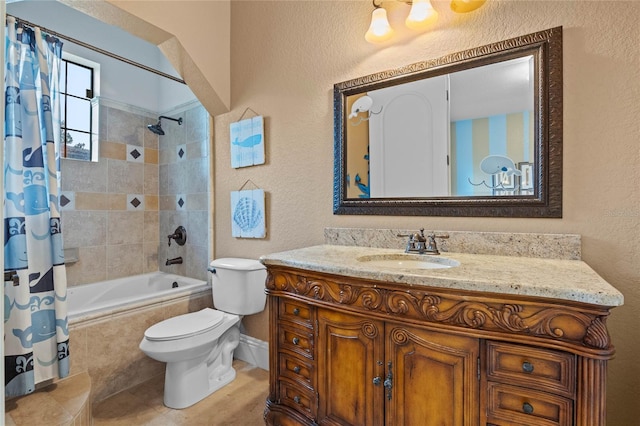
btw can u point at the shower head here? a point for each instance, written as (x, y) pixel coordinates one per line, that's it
(157, 128)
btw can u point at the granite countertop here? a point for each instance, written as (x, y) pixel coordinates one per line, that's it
(549, 278)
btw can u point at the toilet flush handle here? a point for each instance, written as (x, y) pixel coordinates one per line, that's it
(211, 269)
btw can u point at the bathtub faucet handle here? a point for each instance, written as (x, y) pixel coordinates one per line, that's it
(180, 235)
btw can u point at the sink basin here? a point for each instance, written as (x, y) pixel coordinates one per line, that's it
(408, 261)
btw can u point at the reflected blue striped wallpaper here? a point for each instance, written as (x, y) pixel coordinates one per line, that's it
(472, 140)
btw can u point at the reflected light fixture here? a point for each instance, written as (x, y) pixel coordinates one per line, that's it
(464, 6)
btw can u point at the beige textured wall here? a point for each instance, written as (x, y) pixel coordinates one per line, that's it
(286, 56)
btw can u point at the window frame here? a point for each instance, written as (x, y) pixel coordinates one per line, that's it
(94, 110)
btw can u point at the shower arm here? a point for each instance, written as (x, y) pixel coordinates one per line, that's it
(178, 120)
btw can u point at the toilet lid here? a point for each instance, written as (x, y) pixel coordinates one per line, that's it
(185, 325)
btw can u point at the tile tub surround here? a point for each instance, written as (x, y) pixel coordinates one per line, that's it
(184, 192)
(524, 276)
(551, 246)
(112, 217)
(106, 347)
(117, 213)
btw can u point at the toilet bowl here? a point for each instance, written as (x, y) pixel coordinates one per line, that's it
(198, 346)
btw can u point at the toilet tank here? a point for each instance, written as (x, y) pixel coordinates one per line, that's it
(237, 285)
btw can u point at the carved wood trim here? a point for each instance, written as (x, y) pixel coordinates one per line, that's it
(562, 321)
(592, 380)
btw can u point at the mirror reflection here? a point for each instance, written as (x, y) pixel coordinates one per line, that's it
(467, 133)
(472, 133)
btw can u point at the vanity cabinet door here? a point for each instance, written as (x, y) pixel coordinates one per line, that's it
(351, 369)
(435, 378)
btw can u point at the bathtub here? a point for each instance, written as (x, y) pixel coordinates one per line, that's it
(89, 301)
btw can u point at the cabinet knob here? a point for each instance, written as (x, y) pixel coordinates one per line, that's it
(296, 311)
(295, 340)
(296, 369)
(527, 367)
(296, 399)
(527, 408)
(377, 381)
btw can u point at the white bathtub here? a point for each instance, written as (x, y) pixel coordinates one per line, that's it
(113, 296)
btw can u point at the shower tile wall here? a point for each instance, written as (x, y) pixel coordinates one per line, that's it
(183, 190)
(111, 210)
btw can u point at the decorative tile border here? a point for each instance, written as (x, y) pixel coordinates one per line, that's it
(135, 202)
(67, 200)
(181, 202)
(181, 152)
(135, 153)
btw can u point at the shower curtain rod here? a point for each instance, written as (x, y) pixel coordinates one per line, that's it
(97, 49)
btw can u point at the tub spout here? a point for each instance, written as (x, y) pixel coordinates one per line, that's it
(174, 261)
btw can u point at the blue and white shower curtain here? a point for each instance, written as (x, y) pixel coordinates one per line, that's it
(36, 336)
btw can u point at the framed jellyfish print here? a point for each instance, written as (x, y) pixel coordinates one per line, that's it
(248, 214)
(247, 142)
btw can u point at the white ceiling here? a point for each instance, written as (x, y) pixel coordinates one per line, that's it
(494, 89)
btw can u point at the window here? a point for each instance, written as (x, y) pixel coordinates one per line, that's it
(79, 86)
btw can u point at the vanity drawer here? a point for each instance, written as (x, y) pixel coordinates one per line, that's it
(534, 368)
(298, 397)
(513, 405)
(297, 312)
(297, 369)
(295, 339)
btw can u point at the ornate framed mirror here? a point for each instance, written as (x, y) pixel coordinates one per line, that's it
(473, 133)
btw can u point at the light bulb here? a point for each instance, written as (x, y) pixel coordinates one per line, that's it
(464, 6)
(379, 30)
(422, 15)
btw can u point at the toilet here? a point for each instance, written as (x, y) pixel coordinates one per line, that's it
(198, 346)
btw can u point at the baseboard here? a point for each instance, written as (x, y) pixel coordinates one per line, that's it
(253, 351)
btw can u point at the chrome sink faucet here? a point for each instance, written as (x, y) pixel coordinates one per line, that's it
(421, 244)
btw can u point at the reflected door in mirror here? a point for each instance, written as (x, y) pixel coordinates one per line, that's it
(408, 140)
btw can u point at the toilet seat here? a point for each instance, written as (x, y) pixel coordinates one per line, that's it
(185, 325)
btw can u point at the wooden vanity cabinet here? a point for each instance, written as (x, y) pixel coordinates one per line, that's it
(372, 370)
(347, 351)
(353, 370)
(435, 377)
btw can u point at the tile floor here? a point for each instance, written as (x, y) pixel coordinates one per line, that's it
(240, 403)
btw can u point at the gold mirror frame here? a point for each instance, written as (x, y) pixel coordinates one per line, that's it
(546, 202)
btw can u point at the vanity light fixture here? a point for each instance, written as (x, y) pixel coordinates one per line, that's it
(421, 16)
(464, 6)
(380, 30)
